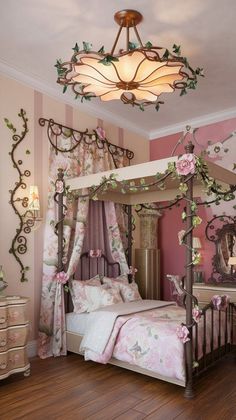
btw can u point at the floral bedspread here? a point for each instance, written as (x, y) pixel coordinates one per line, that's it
(148, 340)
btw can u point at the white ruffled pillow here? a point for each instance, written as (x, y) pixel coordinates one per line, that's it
(89, 297)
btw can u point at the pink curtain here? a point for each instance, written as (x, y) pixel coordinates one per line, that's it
(83, 160)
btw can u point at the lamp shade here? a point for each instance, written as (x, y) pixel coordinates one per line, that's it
(196, 243)
(34, 198)
(232, 261)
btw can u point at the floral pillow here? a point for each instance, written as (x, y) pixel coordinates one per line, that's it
(129, 292)
(78, 292)
(89, 297)
(116, 282)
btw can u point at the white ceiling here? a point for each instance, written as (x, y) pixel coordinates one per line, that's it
(35, 33)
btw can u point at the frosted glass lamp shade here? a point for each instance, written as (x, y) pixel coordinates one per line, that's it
(196, 243)
(34, 198)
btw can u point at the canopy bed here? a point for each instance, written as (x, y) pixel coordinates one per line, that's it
(199, 344)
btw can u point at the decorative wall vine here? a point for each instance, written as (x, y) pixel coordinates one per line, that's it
(26, 221)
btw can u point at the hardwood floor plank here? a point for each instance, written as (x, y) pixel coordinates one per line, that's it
(68, 388)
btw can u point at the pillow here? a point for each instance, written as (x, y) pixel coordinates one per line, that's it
(101, 296)
(78, 292)
(129, 292)
(116, 282)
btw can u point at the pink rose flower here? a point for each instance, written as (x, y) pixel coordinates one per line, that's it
(62, 277)
(197, 313)
(59, 187)
(186, 164)
(183, 333)
(220, 302)
(95, 253)
(132, 270)
(101, 133)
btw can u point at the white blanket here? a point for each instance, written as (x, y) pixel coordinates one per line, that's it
(101, 322)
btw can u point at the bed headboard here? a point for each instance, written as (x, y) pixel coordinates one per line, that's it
(93, 263)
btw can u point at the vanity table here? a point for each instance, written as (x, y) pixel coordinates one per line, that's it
(205, 291)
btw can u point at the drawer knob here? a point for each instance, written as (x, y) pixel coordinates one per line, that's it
(3, 365)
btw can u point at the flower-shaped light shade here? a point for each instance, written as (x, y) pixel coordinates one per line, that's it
(137, 75)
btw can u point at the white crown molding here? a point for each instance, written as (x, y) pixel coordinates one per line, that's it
(108, 116)
(32, 348)
(46, 89)
(194, 123)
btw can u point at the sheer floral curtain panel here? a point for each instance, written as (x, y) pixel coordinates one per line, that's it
(83, 160)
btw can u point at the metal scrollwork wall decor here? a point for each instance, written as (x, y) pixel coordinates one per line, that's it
(75, 137)
(221, 230)
(26, 221)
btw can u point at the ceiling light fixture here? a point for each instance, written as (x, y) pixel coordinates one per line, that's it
(136, 75)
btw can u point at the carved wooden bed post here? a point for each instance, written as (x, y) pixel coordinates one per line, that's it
(60, 180)
(189, 281)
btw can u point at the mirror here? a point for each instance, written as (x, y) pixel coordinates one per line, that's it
(222, 231)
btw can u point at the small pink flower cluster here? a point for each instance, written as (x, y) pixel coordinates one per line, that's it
(101, 133)
(183, 333)
(132, 270)
(220, 302)
(59, 187)
(95, 253)
(186, 164)
(62, 277)
(196, 313)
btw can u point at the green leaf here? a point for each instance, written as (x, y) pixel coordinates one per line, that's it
(64, 88)
(76, 48)
(106, 61)
(141, 107)
(166, 55)
(176, 49)
(183, 92)
(133, 46)
(87, 46)
(157, 106)
(234, 167)
(148, 44)
(101, 50)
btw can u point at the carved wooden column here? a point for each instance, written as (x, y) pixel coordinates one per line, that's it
(147, 257)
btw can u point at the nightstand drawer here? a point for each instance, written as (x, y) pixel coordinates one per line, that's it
(12, 360)
(17, 315)
(13, 337)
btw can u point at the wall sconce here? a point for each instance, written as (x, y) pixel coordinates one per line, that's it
(33, 211)
(196, 243)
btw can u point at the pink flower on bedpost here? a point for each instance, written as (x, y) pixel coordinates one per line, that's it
(62, 277)
(59, 187)
(220, 302)
(95, 253)
(186, 164)
(196, 313)
(183, 333)
(132, 271)
(101, 133)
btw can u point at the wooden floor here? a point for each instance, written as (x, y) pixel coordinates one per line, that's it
(69, 388)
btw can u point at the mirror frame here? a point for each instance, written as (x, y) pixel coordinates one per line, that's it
(214, 233)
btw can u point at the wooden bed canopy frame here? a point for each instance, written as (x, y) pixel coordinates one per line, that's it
(148, 171)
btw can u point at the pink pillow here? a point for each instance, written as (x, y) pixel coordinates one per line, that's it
(116, 282)
(78, 292)
(129, 292)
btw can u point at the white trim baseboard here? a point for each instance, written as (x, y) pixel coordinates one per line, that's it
(32, 348)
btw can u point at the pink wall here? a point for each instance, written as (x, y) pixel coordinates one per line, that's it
(172, 254)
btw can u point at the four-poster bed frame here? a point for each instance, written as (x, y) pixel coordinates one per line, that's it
(194, 189)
